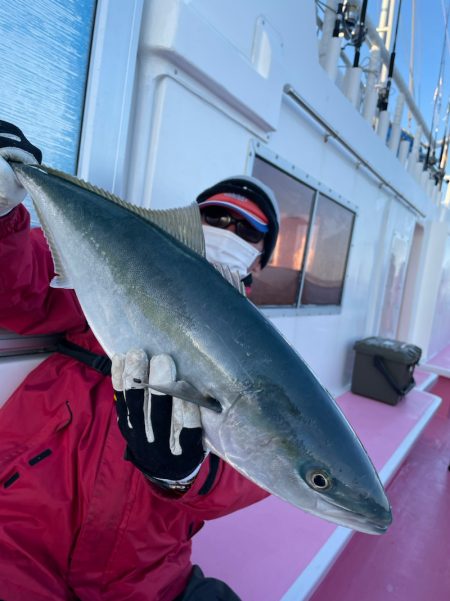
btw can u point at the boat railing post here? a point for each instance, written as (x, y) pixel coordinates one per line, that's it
(436, 194)
(352, 85)
(332, 58)
(445, 204)
(394, 138)
(430, 187)
(383, 124)
(414, 154)
(330, 45)
(424, 179)
(371, 93)
(403, 152)
(419, 173)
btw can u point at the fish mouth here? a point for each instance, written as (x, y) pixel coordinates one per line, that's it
(353, 519)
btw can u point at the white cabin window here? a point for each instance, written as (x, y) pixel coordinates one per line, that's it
(45, 47)
(279, 282)
(326, 261)
(309, 262)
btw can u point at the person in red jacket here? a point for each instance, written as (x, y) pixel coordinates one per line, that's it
(77, 521)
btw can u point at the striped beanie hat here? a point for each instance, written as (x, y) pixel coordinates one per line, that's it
(252, 199)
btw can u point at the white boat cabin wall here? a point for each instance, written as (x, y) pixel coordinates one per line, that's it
(182, 93)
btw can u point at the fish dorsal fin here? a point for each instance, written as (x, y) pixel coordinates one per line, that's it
(61, 279)
(232, 277)
(183, 223)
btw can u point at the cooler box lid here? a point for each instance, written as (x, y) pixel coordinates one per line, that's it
(394, 350)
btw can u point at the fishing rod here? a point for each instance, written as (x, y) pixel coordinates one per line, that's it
(383, 95)
(430, 158)
(339, 19)
(351, 24)
(360, 34)
(443, 158)
(348, 22)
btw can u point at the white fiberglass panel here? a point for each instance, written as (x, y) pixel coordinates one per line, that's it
(190, 146)
(392, 264)
(398, 260)
(440, 333)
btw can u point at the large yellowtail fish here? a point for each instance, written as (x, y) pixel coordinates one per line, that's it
(143, 282)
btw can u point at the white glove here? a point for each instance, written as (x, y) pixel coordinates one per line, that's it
(13, 147)
(163, 433)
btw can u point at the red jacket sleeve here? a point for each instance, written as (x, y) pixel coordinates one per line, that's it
(27, 303)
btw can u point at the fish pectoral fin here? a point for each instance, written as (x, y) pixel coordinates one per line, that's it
(186, 392)
(61, 282)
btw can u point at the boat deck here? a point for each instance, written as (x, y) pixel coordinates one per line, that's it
(412, 560)
(440, 363)
(275, 551)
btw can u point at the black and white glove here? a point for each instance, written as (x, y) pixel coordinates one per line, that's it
(13, 147)
(163, 433)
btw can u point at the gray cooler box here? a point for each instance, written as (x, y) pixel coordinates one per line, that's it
(383, 368)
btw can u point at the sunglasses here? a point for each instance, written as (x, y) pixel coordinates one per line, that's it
(218, 217)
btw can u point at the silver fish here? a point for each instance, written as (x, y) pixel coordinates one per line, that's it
(143, 282)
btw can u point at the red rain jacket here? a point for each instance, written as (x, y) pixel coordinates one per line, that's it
(77, 521)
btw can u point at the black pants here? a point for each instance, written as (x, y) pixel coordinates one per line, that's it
(200, 588)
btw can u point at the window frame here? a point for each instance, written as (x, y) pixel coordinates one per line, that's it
(100, 112)
(109, 95)
(259, 150)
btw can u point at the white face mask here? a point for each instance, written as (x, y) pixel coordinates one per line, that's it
(225, 247)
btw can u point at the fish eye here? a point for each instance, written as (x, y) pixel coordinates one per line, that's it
(319, 480)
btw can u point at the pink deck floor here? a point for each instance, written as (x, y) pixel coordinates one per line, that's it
(412, 561)
(424, 379)
(262, 550)
(440, 363)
